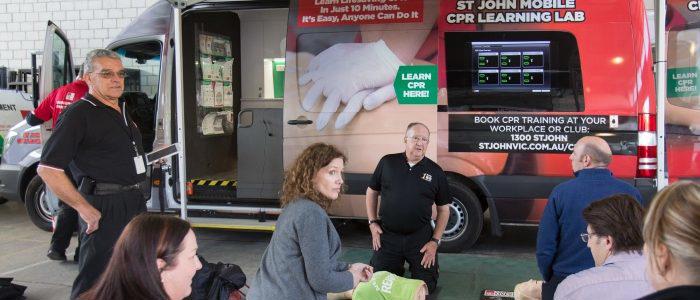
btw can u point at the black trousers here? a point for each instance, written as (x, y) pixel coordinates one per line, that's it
(96, 248)
(66, 224)
(549, 287)
(396, 249)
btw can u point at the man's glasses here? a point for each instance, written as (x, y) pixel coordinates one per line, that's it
(109, 74)
(417, 139)
(586, 236)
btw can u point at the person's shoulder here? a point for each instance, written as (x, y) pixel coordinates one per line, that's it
(79, 107)
(304, 206)
(305, 213)
(580, 280)
(566, 185)
(623, 184)
(432, 164)
(627, 188)
(77, 86)
(392, 157)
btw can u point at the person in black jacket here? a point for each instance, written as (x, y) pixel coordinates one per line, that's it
(672, 242)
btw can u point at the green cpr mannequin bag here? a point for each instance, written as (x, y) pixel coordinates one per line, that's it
(387, 286)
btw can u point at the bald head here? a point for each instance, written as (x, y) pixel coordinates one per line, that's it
(590, 152)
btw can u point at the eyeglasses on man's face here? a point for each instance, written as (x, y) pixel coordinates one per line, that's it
(418, 138)
(586, 236)
(109, 74)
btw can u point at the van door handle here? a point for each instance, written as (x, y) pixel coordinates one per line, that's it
(300, 122)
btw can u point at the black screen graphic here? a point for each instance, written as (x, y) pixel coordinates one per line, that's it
(513, 71)
(520, 66)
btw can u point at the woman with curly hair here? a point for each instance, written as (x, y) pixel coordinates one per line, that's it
(301, 261)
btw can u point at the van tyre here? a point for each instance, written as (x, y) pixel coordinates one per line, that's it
(466, 219)
(35, 202)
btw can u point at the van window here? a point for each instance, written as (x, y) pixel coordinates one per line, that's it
(262, 44)
(513, 71)
(683, 63)
(61, 64)
(142, 62)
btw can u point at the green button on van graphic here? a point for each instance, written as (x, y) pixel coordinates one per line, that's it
(416, 84)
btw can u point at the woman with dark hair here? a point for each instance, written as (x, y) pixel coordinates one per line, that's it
(155, 258)
(672, 242)
(301, 261)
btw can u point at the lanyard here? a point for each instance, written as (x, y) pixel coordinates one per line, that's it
(131, 131)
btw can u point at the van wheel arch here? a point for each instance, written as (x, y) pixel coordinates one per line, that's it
(473, 186)
(466, 214)
(27, 176)
(35, 202)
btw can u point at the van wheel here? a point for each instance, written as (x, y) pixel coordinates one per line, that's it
(36, 203)
(466, 219)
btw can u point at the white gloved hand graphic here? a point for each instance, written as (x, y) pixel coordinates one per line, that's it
(357, 74)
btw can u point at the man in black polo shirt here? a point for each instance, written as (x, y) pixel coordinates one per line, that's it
(410, 184)
(101, 145)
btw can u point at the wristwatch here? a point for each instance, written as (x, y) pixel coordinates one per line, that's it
(437, 241)
(374, 221)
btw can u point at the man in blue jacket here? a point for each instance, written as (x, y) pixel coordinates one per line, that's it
(560, 251)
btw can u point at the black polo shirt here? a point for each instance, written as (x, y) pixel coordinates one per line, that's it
(94, 140)
(408, 193)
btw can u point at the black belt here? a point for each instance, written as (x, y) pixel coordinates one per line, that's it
(113, 188)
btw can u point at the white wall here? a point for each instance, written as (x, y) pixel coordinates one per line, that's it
(88, 25)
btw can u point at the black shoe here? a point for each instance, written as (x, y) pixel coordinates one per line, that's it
(55, 255)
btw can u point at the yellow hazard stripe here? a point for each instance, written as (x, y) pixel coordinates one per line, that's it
(224, 183)
(236, 227)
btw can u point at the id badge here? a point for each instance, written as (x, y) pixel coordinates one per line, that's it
(138, 163)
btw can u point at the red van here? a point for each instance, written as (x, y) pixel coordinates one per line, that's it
(506, 87)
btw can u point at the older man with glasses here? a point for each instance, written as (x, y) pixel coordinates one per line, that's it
(98, 141)
(410, 184)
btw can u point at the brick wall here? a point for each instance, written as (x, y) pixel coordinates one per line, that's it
(88, 25)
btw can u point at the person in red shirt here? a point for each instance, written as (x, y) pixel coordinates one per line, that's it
(50, 108)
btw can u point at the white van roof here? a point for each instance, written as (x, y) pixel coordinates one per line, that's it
(154, 21)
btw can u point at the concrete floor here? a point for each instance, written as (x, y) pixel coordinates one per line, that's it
(494, 263)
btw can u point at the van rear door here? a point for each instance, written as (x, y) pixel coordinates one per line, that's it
(57, 67)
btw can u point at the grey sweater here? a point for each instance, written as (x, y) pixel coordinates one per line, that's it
(301, 261)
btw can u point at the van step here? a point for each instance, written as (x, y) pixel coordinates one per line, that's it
(234, 224)
(215, 190)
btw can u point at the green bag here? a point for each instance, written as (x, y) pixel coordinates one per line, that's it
(387, 286)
